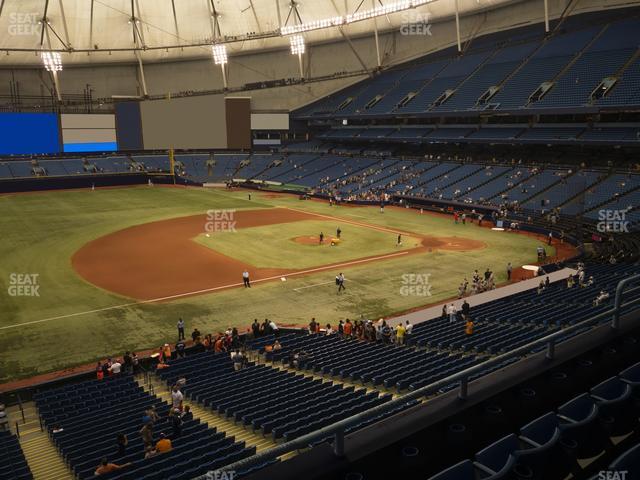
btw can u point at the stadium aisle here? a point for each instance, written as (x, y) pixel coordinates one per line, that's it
(41, 455)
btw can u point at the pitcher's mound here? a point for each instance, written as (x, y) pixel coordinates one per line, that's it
(310, 240)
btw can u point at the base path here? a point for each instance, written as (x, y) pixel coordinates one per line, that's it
(160, 261)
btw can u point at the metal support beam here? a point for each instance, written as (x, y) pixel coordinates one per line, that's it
(175, 20)
(64, 25)
(255, 16)
(300, 65)
(216, 31)
(546, 16)
(91, 25)
(54, 74)
(1, 7)
(44, 22)
(375, 32)
(223, 66)
(139, 43)
(458, 27)
(355, 52)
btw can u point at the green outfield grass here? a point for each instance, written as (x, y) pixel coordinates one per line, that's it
(72, 322)
(273, 246)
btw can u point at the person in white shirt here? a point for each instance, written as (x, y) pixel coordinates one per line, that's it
(329, 330)
(176, 397)
(452, 313)
(116, 367)
(274, 328)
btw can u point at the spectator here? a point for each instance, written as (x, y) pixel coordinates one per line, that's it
(255, 328)
(195, 334)
(122, 442)
(341, 328)
(106, 467)
(238, 360)
(99, 371)
(570, 281)
(348, 328)
(150, 452)
(328, 330)
(135, 362)
(386, 333)
(274, 328)
(408, 329)
(187, 415)
(166, 352)
(468, 330)
(602, 297)
(180, 349)
(452, 312)
(152, 414)
(146, 432)
(164, 444)
(312, 325)
(400, 332)
(177, 397)
(176, 424)
(116, 367)
(465, 310)
(276, 346)
(128, 367)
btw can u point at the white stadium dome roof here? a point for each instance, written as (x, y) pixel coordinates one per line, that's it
(102, 31)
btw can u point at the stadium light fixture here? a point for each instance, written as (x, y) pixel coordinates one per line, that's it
(354, 17)
(297, 44)
(52, 61)
(220, 56)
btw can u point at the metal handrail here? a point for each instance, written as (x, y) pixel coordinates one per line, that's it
(338, 428)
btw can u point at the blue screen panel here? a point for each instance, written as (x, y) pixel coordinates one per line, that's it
(91, 147)
(29, 133)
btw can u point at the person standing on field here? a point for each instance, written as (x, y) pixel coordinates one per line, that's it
(180, 329)
(245, 279)
(509, 270)
(340, 282)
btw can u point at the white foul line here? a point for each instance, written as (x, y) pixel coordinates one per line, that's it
(206, 290)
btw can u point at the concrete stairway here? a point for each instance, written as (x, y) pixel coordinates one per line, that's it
(41, 454)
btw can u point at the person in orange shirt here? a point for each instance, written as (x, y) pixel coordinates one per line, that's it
(469, 327)
(219, 345)
(348, 328)
(166, 351)
(164, 444)
(106, 467)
